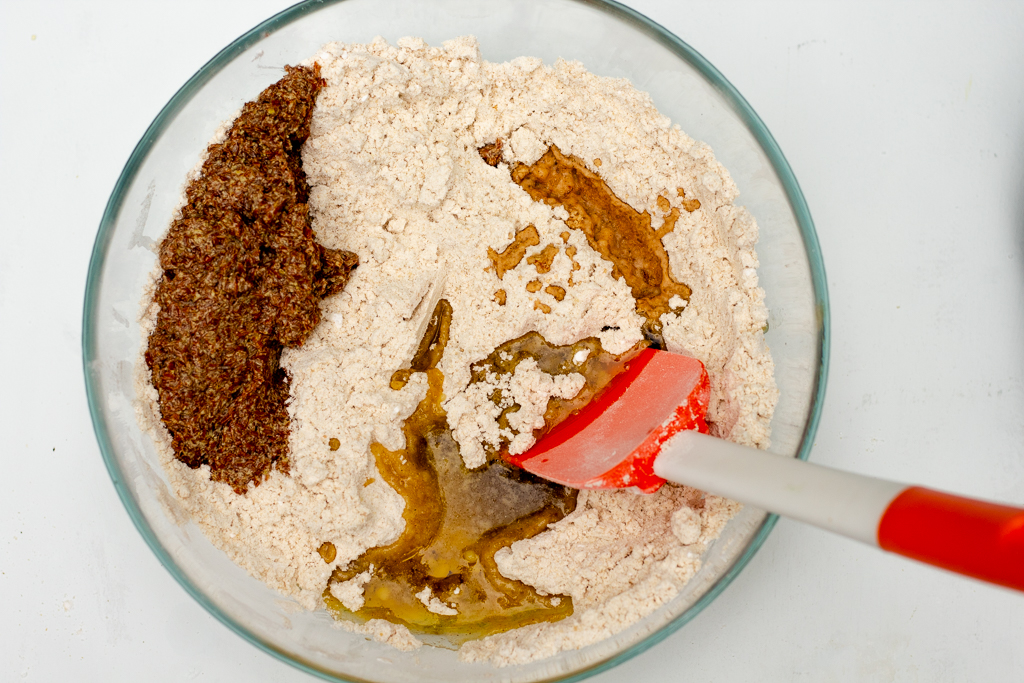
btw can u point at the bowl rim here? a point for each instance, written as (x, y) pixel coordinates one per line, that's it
(262, 30)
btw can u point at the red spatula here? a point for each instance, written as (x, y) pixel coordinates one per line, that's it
(648, 427)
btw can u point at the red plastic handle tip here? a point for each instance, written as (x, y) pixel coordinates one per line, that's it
(971, 537)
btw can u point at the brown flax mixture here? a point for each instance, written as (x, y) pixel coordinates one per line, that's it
(242, 278)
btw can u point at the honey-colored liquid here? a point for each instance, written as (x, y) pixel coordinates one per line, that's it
(622, 235)
(455, 520)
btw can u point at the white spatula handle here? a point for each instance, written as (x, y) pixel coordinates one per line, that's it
(846, 503)
(968, 536)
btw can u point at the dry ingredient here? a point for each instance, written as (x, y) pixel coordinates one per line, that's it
(242, 278)
(396, 176)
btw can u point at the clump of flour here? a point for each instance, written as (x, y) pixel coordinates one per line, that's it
(473, 417)
(396, 177)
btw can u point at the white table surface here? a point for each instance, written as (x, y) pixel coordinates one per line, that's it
(904, 123)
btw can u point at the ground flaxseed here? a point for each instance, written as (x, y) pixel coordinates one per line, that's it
(242, 278)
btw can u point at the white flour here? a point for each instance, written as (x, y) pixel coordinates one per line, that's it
(395, 176)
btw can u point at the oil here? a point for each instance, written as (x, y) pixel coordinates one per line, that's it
(509, 258)
(622, 235)
(455, 520)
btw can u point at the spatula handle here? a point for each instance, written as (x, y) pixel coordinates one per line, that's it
(975, 538)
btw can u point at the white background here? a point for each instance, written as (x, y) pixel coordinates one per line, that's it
(904, 123)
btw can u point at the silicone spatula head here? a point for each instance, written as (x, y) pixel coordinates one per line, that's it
(613, 441)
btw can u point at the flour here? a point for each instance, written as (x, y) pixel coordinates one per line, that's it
(434, 604)
(396, 177)
(350, 593)
(473, 416)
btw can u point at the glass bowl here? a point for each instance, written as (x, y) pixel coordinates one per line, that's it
(610, 40)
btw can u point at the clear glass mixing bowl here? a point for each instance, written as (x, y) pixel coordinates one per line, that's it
(609, 40)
